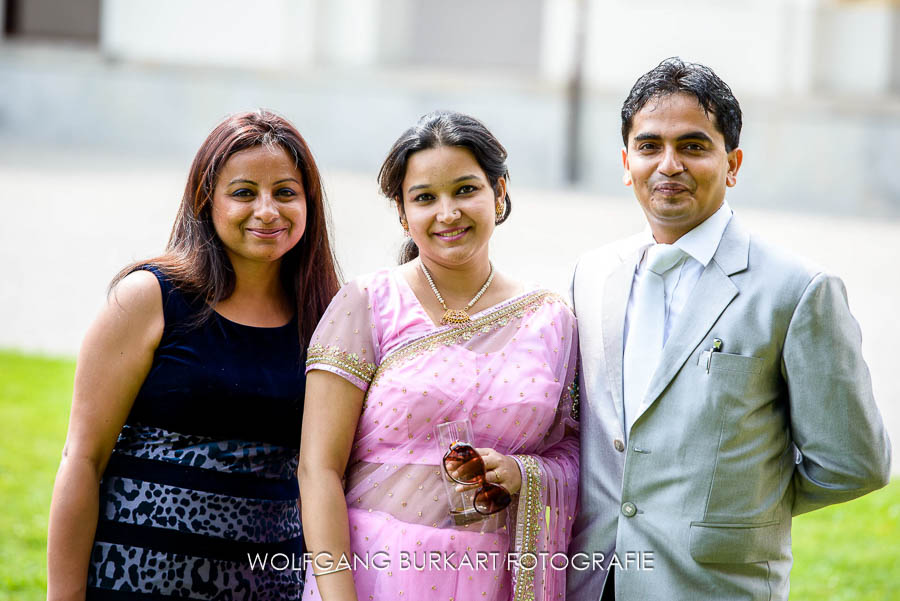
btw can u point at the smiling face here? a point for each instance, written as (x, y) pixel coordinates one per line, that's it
(449, 205)
(677, 162)
(259, 206)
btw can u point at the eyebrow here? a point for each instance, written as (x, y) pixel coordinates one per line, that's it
(456, 181)
(253, 183)
(694, 135)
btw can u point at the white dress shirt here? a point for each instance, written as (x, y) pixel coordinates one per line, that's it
(700, 244)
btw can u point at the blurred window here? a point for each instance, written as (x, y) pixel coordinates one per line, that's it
(464, 34)
(77, 20)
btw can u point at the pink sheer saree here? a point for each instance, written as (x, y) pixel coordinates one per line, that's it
(510, 371)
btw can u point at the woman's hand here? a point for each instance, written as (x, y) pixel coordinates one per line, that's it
(499, 469)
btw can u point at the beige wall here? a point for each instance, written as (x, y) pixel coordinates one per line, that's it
(229, 33)
(857, 48)
(765, 48)
(469, 34)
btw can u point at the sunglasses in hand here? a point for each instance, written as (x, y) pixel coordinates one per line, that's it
(464, 465)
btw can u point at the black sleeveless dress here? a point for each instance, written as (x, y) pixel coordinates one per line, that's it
(199, 499)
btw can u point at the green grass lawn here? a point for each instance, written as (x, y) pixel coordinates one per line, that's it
(845, 552)
(34, 409)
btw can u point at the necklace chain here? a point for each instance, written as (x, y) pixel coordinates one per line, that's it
(456, 316)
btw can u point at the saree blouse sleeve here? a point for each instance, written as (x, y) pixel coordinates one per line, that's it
(548, 497)
(345, 342)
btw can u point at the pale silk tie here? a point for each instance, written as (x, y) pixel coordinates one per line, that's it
(646, 325)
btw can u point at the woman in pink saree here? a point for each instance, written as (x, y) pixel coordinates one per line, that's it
(383, 371)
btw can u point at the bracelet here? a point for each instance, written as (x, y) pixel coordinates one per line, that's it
(523, 473)
(325, 573)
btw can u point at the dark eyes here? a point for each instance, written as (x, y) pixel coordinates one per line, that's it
(247, 193)
(690, 147)
(463, 190)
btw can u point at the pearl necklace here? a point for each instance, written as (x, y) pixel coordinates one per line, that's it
(456, 316)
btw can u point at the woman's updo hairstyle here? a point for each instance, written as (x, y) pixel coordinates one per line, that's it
(434, 130)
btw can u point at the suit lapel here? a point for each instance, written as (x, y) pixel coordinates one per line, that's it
(615, 302)
(712, 294)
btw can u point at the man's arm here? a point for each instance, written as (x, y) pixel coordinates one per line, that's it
(845, 451)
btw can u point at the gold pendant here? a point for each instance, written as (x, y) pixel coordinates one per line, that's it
(455, 317)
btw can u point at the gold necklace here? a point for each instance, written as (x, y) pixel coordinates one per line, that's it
(456, 316)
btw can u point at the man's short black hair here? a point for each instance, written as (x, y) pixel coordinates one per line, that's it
(674, 76)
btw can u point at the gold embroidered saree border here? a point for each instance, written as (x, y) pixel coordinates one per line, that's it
(336, 357)
(460, 334)
(527, 528)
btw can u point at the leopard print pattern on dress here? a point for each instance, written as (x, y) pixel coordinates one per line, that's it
(233, 456)
(135, 569)
(141, 503)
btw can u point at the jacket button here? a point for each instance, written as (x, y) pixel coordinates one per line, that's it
(629, 509)
(619, 445)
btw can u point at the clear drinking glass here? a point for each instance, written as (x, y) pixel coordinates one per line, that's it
(462, 503)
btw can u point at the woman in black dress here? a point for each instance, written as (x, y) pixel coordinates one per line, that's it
(178, 477)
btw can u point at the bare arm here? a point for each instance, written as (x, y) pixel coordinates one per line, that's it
(114, 359)
(330, 415)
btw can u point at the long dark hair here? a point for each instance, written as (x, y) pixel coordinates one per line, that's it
(195, 259)
(436, 129)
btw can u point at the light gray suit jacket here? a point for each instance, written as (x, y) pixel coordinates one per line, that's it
(716, 463)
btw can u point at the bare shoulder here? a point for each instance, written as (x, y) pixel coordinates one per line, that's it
(138, 290)
(134, 308)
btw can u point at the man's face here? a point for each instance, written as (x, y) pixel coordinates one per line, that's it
(677, 163)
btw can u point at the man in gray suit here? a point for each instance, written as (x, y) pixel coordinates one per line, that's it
(723, 388)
